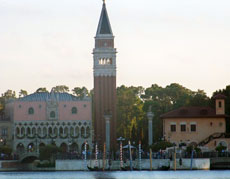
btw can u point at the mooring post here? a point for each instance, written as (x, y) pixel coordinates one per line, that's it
(121, 159)
(130, 156)
(104, 156)
(139, 155)
(174, 159)
(150, 157)
(85, 155)
(191, 159)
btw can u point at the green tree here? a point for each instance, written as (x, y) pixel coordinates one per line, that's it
(61, 89)
(41, 90)
(23, 93)
(80, 92)
(130, 113)
(9, 94)
(169, 98)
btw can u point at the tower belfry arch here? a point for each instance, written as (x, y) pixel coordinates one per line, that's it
(104, 55)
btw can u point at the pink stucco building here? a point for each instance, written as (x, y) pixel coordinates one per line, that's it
(50, 118)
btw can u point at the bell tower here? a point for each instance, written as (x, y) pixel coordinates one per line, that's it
(104, 55)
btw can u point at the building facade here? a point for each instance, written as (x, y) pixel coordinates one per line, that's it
(104, 55)
(6, 131)
(59, 119)
(197, 125)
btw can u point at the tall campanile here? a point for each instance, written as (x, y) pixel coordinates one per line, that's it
(104, 55)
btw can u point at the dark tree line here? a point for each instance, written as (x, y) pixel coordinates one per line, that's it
(133, 104)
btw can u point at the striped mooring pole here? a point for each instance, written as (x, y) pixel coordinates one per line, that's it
(96, 152)
(121, 159)
(139, 155)
(85, 155)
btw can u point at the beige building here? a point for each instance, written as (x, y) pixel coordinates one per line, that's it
(204, 126)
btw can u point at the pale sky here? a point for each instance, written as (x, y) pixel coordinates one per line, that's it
(44, 43)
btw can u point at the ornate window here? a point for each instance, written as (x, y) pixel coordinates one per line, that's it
(88, 132)
(52, 114)
(17, 131)
(39, 131)
(55, 131)
(77, 131)
(74, 110)
(72, 131)
(22, 131)
(61, 131)
(28, 131)
(50, 131)
(82, 132)
(31, 110)
(34, 131)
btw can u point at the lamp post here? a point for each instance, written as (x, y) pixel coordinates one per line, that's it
(150, 116)
(107, 130)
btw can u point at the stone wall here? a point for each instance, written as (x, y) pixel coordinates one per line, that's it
(198, 164)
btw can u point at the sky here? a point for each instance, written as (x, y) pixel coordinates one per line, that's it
(45, 43)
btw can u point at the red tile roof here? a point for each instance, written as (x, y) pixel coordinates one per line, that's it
(219, 96)
(192, 112)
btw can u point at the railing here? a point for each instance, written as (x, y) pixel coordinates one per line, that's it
(214, 136)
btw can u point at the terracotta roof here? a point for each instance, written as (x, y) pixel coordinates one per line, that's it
(219, 96)
(192, 112)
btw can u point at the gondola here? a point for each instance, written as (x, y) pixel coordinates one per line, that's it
(128, 168)
(96, 169)
(164, 168)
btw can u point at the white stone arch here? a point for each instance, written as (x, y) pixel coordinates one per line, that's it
(44, 130)
(66, 130)
(28, 131)
(39, 130)
(34, 131)
(76, 131)
(61, 130)
(72, 133)
(23, 131)
(50, 130)
(55, 130)
(20, 147)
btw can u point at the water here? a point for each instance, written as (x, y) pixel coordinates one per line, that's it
(220, 174)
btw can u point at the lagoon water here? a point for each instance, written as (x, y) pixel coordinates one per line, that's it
(220, 174)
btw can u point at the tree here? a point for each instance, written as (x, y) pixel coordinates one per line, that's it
(61, 89)
(41, 90)
(23, 93)
(9, 94)
(169, 98)
(130, 113)
(80, 92)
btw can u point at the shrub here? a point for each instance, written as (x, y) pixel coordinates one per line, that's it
(161, 146)
(220, 148)
(5, 150)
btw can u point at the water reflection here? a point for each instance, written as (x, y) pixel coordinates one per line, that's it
(224, 174)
